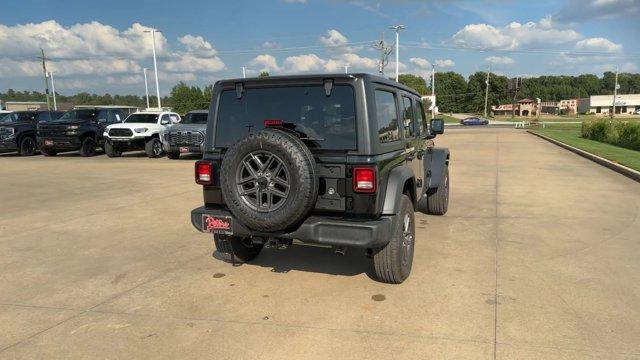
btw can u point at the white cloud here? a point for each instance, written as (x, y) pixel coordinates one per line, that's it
(445, 63)
(191, 63)
(16, 68)
(265, 62)
(336, 42)
(583, 10)
(304, 63)
(420, 62)
(513, 36)
(499, 60)
(125, 80)
(197, 45)
(598, 44)
(295, 1)
(270, 45)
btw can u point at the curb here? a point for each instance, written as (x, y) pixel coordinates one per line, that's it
(621, 169)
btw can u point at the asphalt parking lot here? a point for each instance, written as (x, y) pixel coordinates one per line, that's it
(538, 257)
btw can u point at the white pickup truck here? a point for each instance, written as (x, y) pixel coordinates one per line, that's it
(139, 131)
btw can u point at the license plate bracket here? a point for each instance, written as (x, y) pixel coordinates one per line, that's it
(184, 150)
(48, 142)
(217, 224)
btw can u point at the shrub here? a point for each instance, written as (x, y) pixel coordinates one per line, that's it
(625, 134)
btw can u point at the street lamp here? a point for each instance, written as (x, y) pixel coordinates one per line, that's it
(397, 29)
(155, 63)
(146, 86)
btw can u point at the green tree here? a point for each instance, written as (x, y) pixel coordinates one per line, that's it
(415, 82)
(264, 74)
(451, 89)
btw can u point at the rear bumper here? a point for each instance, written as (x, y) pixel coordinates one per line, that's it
(315, 229)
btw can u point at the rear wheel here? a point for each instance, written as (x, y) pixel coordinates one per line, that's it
(27, 146)
(153, 148)
(173, 155)
(48, 152)
(88, 147)
(438, 198)
(394, 261)
(243, 249)
(111, 150)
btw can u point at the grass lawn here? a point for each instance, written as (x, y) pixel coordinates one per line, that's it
(570, 135)
(448, 119)
(553, 118)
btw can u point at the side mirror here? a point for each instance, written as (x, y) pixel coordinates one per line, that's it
(437, 126)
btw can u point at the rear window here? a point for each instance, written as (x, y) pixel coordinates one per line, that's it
(328, 122)
(195, 118)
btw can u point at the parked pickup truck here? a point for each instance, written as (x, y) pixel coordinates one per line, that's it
(18, 130)
(139, 131)
(79, 129)
(187, 136)
(342, 160)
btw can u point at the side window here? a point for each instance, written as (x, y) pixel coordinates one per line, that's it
(174, 118)
(408, 118)
(44, 116)
(165, 119)
(103, 115)
(387, 116)
(421, 119)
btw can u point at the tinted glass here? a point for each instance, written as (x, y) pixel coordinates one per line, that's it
(142, 118)
(387, 116)
(18, 117)
(56, 115)
(420, 118)
(195, 118)
(103, 114)
(407, 115)
(84, 114)
(44, 116)
(327, 122)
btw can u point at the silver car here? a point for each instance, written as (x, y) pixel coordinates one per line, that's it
(186, 136)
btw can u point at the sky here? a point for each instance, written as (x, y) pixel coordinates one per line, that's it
(102, 47)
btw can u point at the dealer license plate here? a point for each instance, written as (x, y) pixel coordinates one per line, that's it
(217, 224)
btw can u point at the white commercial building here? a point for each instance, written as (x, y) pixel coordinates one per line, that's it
(603, 104)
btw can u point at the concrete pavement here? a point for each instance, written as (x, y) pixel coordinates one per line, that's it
(537, 258)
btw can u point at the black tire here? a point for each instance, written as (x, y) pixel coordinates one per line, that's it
(242, 248)
(48, 152)
(27, 146)
(438, 198)
(393, 262)
(112, 151)
(299, 166)
(173, 155)
(88, 147)
(153, 148)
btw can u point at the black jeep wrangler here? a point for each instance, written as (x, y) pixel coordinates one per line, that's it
(340, 160)
(79, 129)
(18, 130)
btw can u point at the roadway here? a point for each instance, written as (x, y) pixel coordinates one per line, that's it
(537, 258)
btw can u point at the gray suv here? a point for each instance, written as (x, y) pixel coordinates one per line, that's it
(186, 136)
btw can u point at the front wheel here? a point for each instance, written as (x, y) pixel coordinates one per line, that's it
(111, 150)
(27, 146)
(153, 148)
(393, 262)
(243, 249)
(88, 147)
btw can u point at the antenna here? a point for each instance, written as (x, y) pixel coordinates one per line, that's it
(385, 50)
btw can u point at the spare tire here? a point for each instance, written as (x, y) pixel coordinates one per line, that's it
(269, 180)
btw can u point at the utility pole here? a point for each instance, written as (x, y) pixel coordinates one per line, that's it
(615, 94)
(53, 90)
(346, 69)
(244, 72)
(146, 86)
(385, 50)
(433, 91)
(44, 72)
(486, 93)
(155, 63)
(397, 28)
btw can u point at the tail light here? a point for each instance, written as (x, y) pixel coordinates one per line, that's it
(364, 180)
(204, 172)
(273, 122)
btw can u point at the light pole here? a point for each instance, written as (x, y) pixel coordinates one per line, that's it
(397, 28)
(244, 72)
(486, 93)
(146, 86)
(433, 91)
(155, 63)
(346, 69)
(615, 94)
(53, 89)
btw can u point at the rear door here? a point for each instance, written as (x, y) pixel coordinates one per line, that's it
(413, 141)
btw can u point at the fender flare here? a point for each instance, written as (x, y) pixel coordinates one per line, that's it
(434, 164)
(396, 181)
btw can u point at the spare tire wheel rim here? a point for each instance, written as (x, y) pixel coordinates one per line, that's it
(407, 239)
(263, 181)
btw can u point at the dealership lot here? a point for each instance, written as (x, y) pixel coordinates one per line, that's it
(537, 258)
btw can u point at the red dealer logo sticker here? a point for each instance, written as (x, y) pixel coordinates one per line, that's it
(216, 224)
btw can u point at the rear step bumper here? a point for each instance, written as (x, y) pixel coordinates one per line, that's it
(319, 230)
